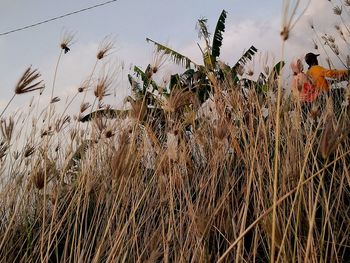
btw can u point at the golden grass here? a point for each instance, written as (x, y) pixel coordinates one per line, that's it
(177, 183)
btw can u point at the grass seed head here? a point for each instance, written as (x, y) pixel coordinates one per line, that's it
(60, 123)
(158, 60)
(39, 179)
(3, 149)
(28, 150)
(337, 10)
(285, 33)
(102, 87)
(29, 82)
(311, 23)
(83, 86)
(6, 129)
(55, 99)
(84, 106)
(67, 41)
(109, 133)
(105, 47)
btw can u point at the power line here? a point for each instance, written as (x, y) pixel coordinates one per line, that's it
(56, 18)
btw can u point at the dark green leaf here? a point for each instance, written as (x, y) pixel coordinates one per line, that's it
(248, 55)
(218, 37)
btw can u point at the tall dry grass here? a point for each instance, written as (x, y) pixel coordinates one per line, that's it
(178, 183)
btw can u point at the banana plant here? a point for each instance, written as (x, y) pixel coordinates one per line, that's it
(195, 77)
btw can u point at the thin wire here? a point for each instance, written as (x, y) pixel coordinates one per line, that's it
(56, 18)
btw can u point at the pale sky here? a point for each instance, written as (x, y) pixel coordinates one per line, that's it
(129, 22)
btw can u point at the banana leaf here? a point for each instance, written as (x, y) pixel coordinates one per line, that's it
(218, 35)
(176, 56)
(248, 55)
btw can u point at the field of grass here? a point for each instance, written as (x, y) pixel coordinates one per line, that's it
(206, 167)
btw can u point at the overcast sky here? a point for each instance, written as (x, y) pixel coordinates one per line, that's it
(129, 22)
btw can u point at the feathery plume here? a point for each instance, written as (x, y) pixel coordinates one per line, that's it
(102, 86)
(61, 122)
(84, 106)
(29, 81)
(28, 150)
(7, 129)
(55, 99)
(158, 60)
(38, 178)
(106, 45)
(3, 148)
(83, 86)
(109, 133)
(67, 41)
(337, 10)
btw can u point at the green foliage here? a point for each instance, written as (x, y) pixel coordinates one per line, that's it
(212, 51)
(218, 35)
(176, 56)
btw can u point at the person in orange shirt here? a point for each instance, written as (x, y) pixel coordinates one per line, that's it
(302, 87)
(319, 74)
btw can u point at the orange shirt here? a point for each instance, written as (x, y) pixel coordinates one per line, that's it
(319, 74)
